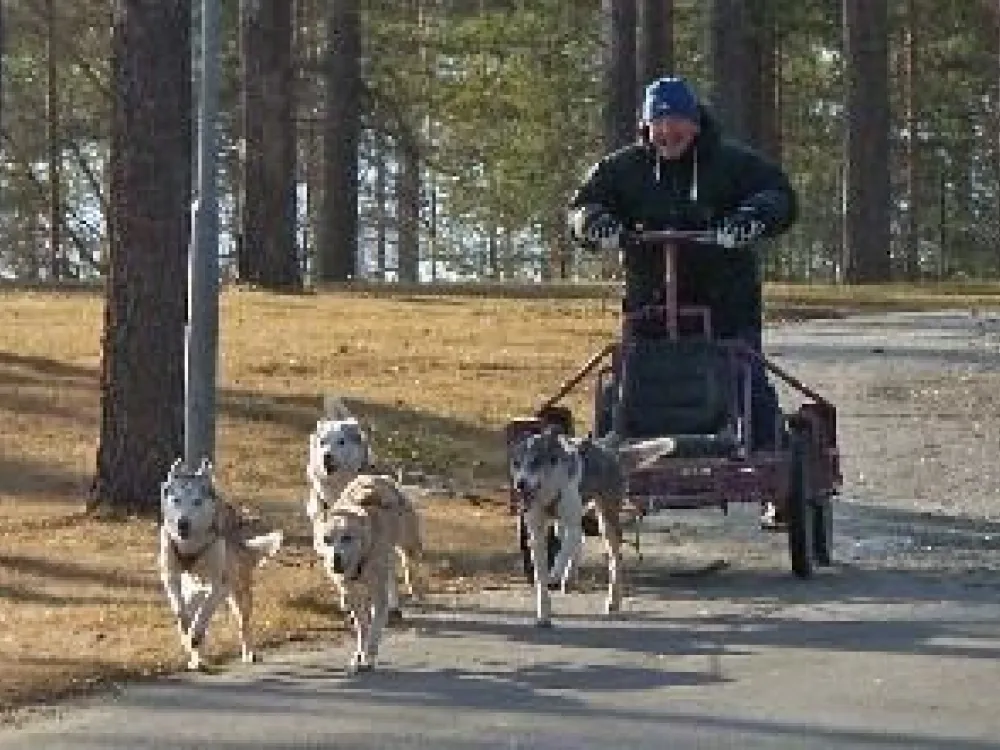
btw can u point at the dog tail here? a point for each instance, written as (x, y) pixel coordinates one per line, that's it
(265, 546)
(610, 441)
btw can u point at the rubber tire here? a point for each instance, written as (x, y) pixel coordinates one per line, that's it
(823, 532)
(604, 408)
(800, 510)
(522, 538)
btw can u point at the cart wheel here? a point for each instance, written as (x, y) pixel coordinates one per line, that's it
(522, 538)
(800, 510)
(604, 408)
(823, 531)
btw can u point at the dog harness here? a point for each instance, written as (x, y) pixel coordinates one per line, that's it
(189, 559)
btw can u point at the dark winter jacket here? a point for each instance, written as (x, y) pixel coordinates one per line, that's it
(715, 178)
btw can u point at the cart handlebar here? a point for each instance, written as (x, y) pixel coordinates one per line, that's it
(704, 236)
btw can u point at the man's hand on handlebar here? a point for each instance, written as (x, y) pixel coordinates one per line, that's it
(604, 231)
(739, 230)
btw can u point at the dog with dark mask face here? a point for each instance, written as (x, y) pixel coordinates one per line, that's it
(554, 476)
(357, 537)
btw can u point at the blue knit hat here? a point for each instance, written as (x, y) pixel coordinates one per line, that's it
(669, 97)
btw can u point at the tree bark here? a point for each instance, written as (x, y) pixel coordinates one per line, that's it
(744, 71)
(337, 256)
(269, 204)
(57, 267)
(381, 201)
(765, 129)
(142, 364)
(655, 44)
(408, 208)
(866, 227)
(621, 101)
(730, 62)
(911, 156)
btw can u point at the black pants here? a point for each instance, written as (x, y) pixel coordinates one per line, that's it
(728, 282)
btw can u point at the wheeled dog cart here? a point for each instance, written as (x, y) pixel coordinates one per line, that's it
(680, 400)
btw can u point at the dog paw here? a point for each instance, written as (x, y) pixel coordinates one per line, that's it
(611, 606)
(359, 664)
(543, 622)
(195, 663)
(394, 617)
(250, 657)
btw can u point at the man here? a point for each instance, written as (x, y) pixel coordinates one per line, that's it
(683, 174)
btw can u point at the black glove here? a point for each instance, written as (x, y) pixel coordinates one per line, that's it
(605, 231)
(740, 229)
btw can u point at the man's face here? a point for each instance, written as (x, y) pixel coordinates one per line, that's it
(672, 136)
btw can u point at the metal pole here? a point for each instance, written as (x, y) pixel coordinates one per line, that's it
(202, 332)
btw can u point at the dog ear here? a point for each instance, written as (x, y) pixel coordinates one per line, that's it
(551, 434)
(336, 408)
(175, 467)
(205, 469)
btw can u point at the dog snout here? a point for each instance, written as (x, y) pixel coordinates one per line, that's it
(338, 563)
(184, 528)
(329, 463)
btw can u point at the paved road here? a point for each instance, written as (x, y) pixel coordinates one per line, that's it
(870, 654)
(855, 659)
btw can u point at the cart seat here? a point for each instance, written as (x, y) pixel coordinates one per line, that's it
(683, 388)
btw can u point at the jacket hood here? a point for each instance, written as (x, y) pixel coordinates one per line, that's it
(707, 140)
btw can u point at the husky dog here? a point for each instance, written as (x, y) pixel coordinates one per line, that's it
(340, 451)
(553, 477)
(356, 537)
(206, 555)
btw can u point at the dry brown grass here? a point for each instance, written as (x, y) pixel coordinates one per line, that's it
(435, 378)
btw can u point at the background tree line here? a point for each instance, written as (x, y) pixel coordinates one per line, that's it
(437, 139)
(440, 138)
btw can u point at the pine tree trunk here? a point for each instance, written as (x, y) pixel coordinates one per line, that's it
(866, 230)
(621, 86)
(911, 234)
(732, 66)
(408, 208)
(380, 198)
(655, 43)
(250, 251)
(765, 131)
(280, 267)
(337, 258)
(58, 265)
(142, 364)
